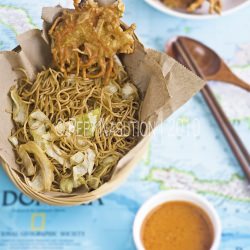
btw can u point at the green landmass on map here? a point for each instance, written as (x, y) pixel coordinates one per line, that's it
(235, 188)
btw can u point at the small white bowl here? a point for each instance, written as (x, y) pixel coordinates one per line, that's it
(176, 195)
(228, 7)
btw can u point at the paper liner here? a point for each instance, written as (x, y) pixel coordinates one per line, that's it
(164, 85)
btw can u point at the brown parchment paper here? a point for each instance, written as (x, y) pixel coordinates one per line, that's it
(164, 84)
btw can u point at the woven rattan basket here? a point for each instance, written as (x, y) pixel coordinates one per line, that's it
(74, 199)
(164, 84)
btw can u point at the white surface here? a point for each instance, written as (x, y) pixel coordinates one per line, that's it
(229, 6)
(179, 195)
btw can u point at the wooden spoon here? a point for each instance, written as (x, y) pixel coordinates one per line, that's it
(211, 64)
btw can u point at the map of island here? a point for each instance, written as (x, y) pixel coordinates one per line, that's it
(236, 188)
(9, 16)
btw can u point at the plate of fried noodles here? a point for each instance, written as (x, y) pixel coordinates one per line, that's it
(198, 9)
(76, 119)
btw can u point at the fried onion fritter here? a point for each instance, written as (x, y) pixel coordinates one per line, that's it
(85, 40)
(193, 5)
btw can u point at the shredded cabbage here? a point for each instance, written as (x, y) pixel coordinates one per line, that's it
(129, 91)
(37, 183)
(93, 182)
(66, 185)
(111, 88)
(90, 160)
(60, 128)
(109, 160)
(38, 123)
(79, 171)
(66, 128)
(20, 108)
(86, 123)
(77, 158)
(27, 162)
(80, 182)
(46, 167)
(13, 140)
(86, 166)
(55, 153)
(38, 115)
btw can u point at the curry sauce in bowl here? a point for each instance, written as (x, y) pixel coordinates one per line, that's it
(177, 225)
(177, 220)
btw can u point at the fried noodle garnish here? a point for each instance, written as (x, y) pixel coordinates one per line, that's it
(85, 41)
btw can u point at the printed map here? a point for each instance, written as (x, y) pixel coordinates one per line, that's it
(188, 151)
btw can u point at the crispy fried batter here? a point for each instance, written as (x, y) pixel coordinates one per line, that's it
(177, 3)
(85, 41)
(193, 5)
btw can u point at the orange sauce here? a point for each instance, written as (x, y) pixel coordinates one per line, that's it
(177, 226)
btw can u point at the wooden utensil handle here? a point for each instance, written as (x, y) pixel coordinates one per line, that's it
(230, 134)
(235, 144)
